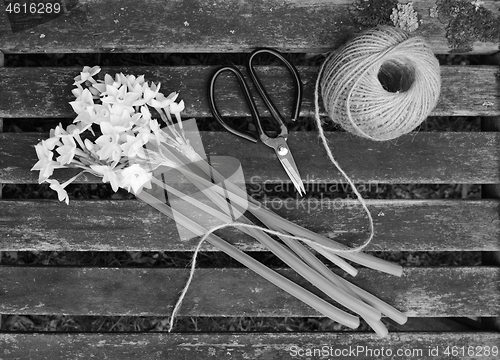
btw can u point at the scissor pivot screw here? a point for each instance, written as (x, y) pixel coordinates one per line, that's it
(282, 151)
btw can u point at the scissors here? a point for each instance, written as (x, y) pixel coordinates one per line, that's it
(278, 143)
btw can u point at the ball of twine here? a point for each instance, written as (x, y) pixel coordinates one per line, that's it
(381, 85)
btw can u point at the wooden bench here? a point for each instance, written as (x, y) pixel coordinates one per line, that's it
(225, 26)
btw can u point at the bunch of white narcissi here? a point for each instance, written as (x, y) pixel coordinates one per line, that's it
(131, 148)
(123, 117)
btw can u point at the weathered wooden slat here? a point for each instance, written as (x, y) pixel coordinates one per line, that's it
(414, 158)
(234, 346)
(50, 90)
(491, 191)
(415, 225)
(420, 292)
(207, 26)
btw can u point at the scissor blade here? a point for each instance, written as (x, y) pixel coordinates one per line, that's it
(292, 172)
(285, 157)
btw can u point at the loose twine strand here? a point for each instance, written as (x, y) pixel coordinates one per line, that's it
(354, 97)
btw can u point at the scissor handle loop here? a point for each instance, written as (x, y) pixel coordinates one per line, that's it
(262, 91)
(248, 98)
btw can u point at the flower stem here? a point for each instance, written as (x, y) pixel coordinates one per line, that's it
(385, 308)
(279, 223)
(279, 280)
(344, 251)
(274, 222)
(315, 278)
(200, 205)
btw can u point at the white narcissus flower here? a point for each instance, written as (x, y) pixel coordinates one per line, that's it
(85, 119)
(62, 195)
(154, 126)
(73, 130)
(140, 80)
(103, 111)
(120, 96)
(118, 80)
(101, 85)
(51, 142)
(146, 114)
(66, 151)
(95, 114)
(176, 109)
(45, 163)
(122, 119)
(108, 142)
(108, 175)
(133, 145)
(77, 92)
(135, 177)
(161, 102)
(133, 83)
(86, 75)
(82, 102)
(58, 131)
(135, 119)
(137, 89)
(150, 92)
(173, 96)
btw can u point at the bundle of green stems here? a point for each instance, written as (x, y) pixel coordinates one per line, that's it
(292, 250)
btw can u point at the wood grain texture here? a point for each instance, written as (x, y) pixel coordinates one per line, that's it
(413, 158)
(207, 26)
(234, 346)
(50, 90)
(415, 225)
(420, 292)
(121, 26)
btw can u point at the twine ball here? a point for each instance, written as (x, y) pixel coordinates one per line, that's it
(382, 84)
